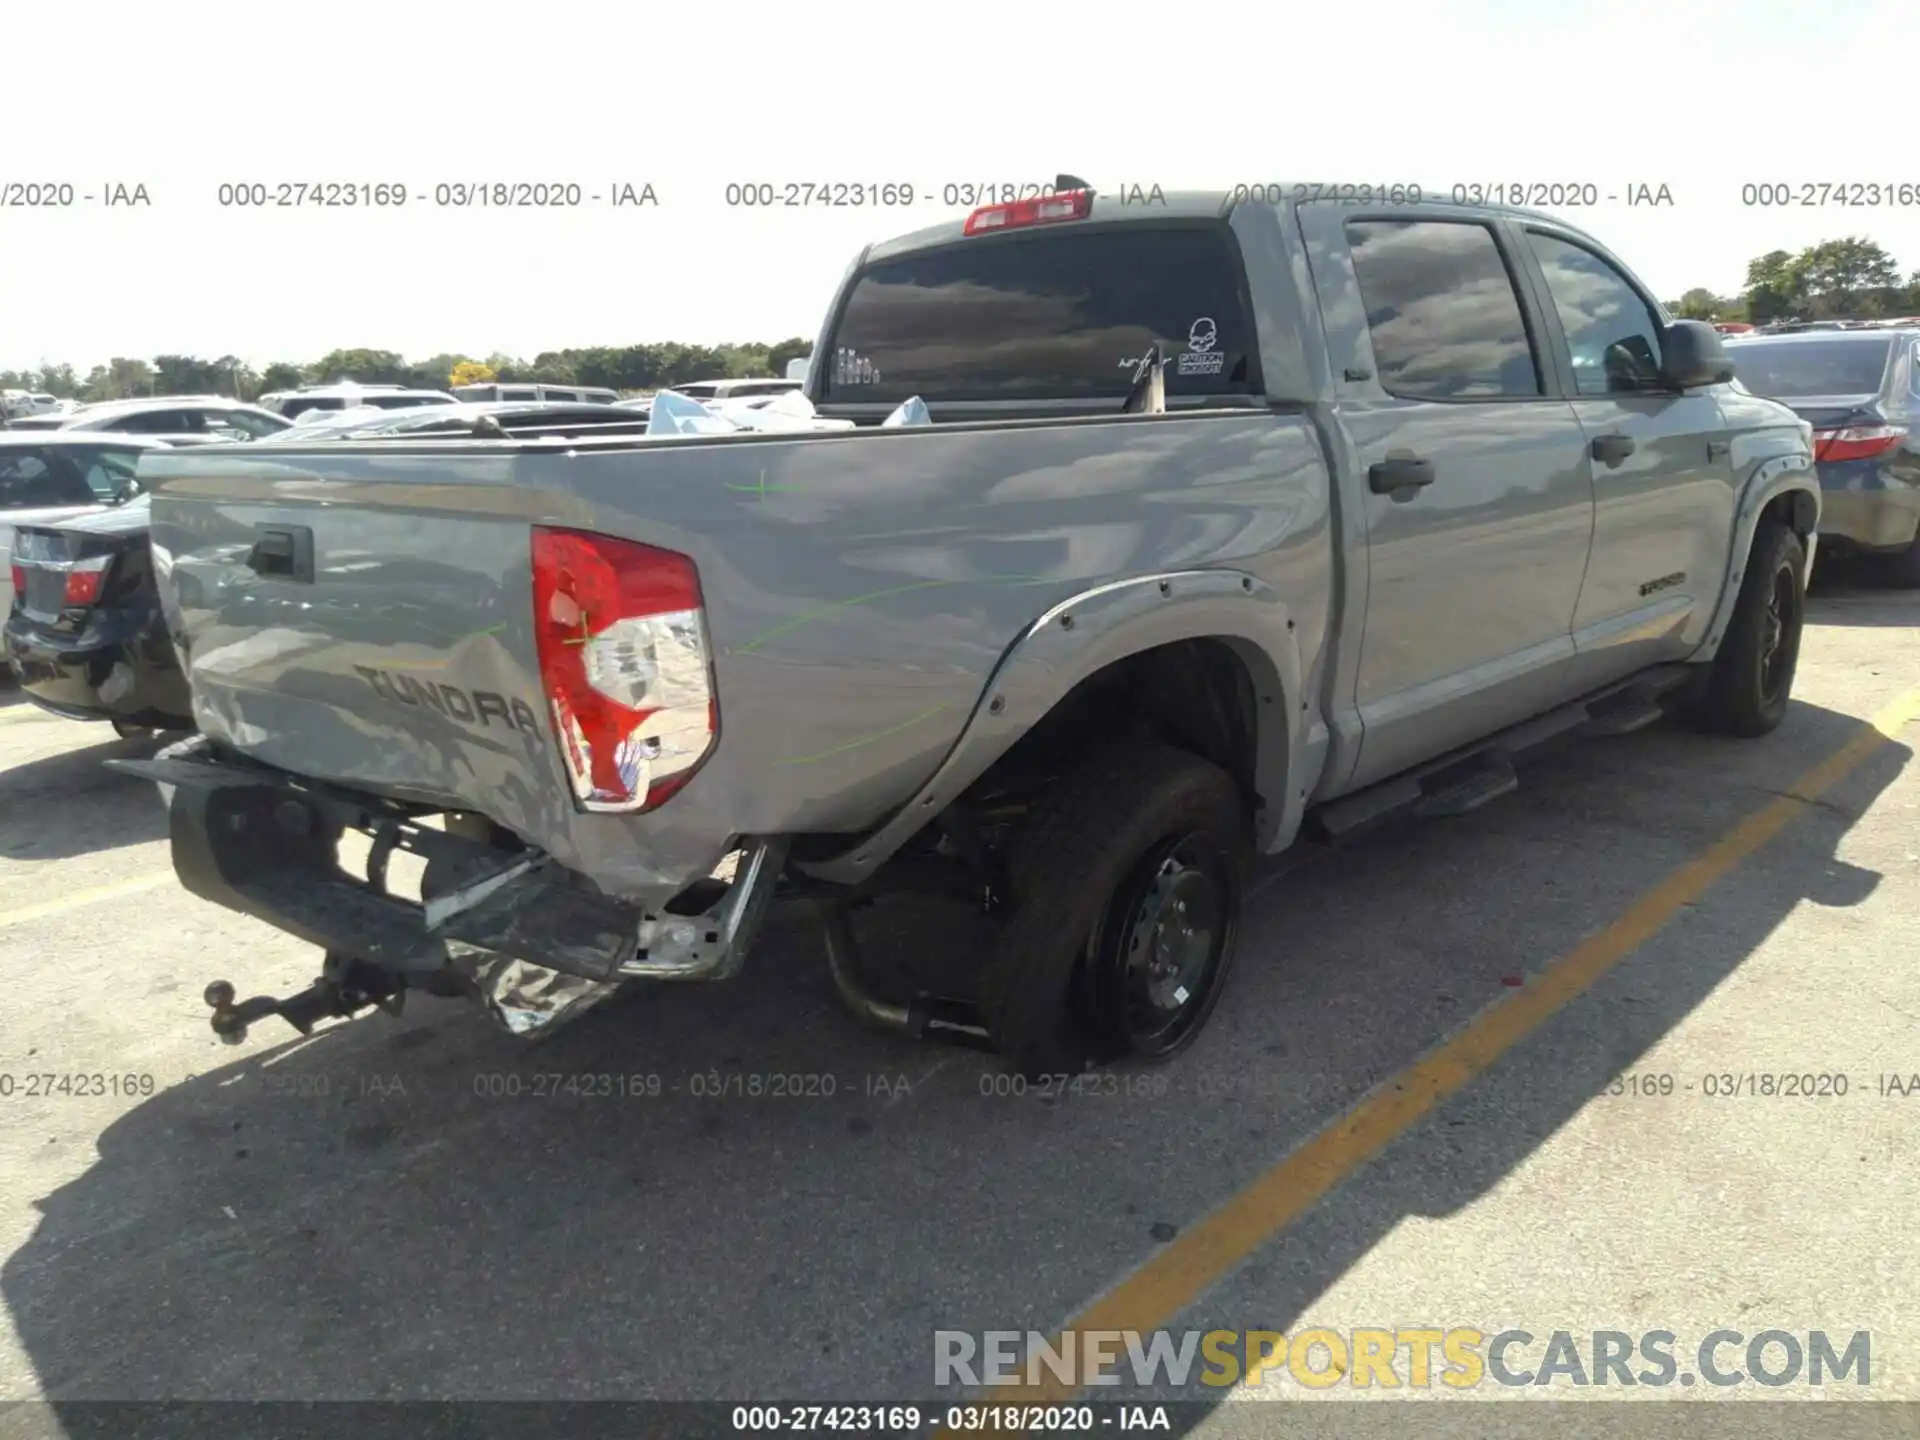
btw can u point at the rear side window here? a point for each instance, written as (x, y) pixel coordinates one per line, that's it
(30, 480)
(160, 422)
(1053, 315)
(1442, 310)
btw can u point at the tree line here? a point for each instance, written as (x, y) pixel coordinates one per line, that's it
(1846, 279)
(626, 368)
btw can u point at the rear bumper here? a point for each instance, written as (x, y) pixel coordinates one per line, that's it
(265, 843)
(1865, 511)
(129, 677)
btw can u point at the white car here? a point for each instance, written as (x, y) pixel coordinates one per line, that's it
(190, 418)
(48, 477)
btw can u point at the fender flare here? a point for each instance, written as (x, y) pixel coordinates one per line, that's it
(1779, 475)
(1084, 634)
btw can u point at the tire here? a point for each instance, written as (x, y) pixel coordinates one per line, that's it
(131, 732)
(1136, 834)
(1750, 681)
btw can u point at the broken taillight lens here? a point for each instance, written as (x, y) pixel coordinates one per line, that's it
(86, 579)
(622, 636)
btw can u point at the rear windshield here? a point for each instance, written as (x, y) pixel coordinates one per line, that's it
(1061, 314)
(1811, 367)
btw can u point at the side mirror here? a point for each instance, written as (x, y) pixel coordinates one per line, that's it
(1692, 355)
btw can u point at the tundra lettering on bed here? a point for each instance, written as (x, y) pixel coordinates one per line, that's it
(477, 707)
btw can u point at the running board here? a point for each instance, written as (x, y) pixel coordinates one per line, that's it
(1463, 781)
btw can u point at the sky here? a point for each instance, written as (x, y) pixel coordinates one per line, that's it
(185, 98)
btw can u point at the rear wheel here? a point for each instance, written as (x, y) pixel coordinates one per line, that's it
(1751, 678)
(1127, 884)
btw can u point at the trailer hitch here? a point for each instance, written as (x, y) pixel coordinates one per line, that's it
(344, 988)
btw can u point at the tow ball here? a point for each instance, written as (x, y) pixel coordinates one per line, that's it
(341, 991)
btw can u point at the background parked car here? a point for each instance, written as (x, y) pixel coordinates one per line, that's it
(348, 395)
(524, 419)
(565, 394)
(86, 637)
(48, 478)
(1860, 390)
(705, 390)
(183, 419)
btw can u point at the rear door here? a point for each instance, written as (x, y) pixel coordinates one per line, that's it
(1475, 490)
(1661, 464)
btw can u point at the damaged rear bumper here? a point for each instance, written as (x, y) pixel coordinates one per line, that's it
(534, 940)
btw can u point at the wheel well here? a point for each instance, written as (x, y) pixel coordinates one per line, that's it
(1197, 694)
(1795, 509)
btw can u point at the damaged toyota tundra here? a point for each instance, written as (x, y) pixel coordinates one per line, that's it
(1110, 548)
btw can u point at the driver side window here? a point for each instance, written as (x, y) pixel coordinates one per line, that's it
(1611, 331)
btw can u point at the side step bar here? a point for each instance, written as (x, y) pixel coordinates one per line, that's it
(1467, 779)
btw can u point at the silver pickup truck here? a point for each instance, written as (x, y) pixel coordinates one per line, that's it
(1237, 525)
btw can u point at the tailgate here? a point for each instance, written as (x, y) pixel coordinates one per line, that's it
(362, 618)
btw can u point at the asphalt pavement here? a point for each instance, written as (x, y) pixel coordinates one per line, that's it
(1635, 1049)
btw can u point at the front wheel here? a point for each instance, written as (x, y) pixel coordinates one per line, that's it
(1750, 680)
(1127, 885)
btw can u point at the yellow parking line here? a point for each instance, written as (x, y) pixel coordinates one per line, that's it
(85, 897)
(1205, 1253)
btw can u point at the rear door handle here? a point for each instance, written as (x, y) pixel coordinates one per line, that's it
(284, 552)
(1398, 473)
(1611, 449)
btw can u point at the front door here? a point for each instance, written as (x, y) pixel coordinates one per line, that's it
(1661, 464)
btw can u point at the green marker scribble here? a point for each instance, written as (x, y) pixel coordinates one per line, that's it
(839, 605)
(867, 740)
(762, 488)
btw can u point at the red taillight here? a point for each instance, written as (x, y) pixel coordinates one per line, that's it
(1860, 442)
(19, 581)
(622, 635)
(85, 580)
(1041, 210)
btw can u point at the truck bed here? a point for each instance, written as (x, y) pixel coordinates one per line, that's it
(859, 591)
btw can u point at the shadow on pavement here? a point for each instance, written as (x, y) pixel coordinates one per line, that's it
(97, 808)
(410, 1210)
